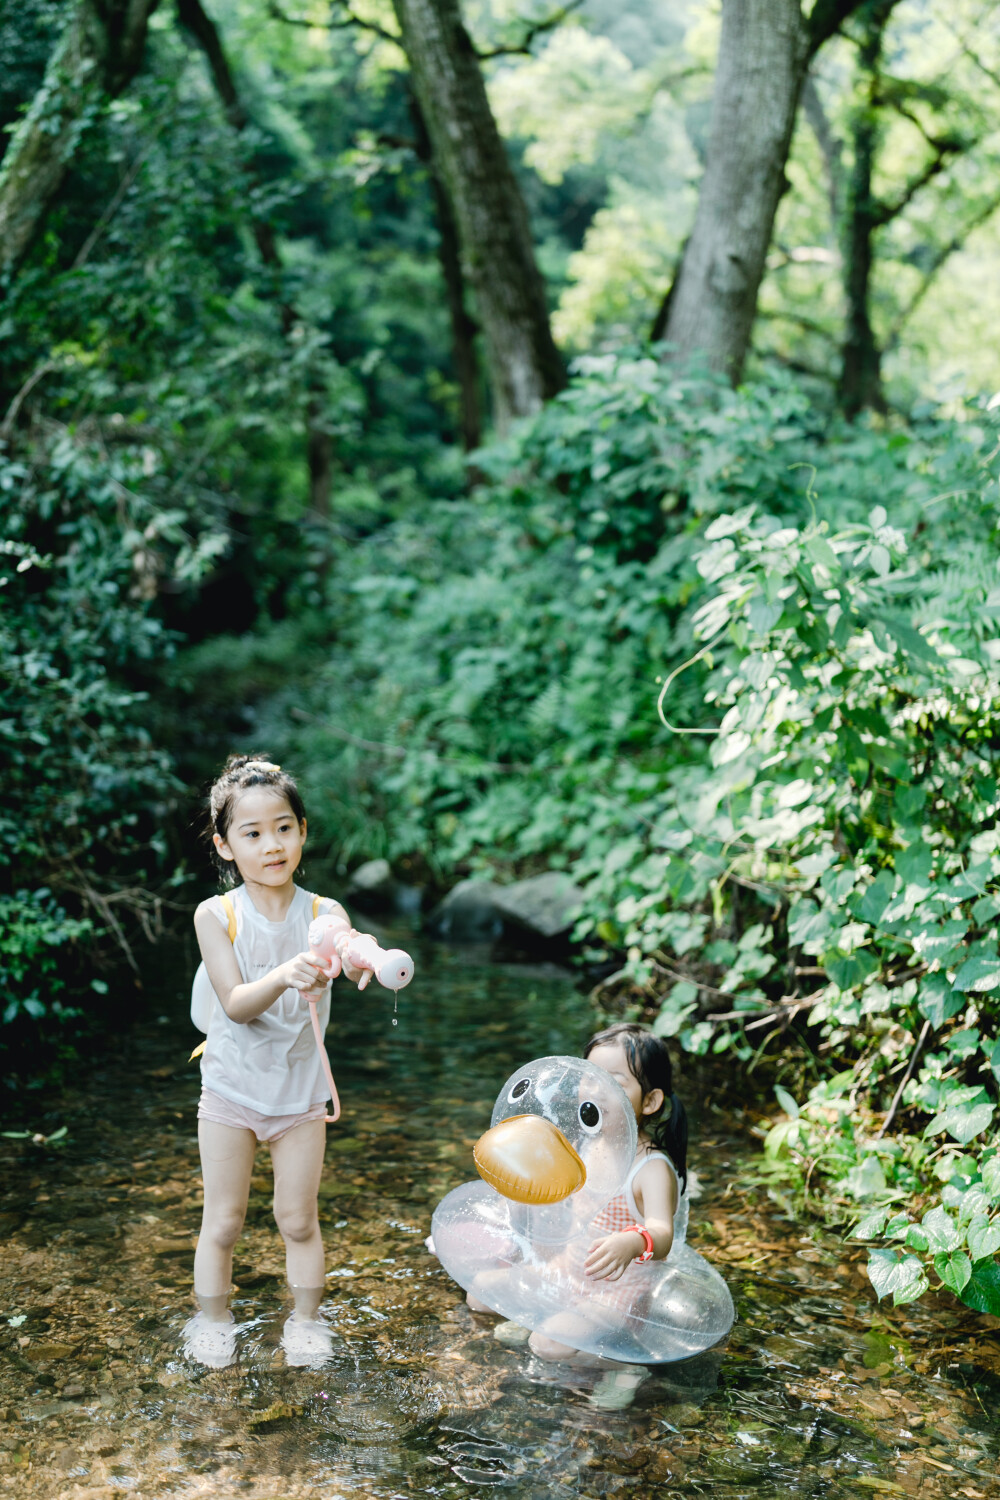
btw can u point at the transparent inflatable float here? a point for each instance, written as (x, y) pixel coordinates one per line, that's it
(561, 1142)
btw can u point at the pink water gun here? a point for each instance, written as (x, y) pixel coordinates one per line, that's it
(331, 945)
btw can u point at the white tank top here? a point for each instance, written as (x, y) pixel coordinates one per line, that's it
(270, 1064)
(622, 1212)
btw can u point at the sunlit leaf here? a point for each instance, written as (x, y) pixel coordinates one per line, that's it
(942, 1232)
(963, 1122)
(893, 1273)
(982, 1237)
(871, 1226)
(786, 1101)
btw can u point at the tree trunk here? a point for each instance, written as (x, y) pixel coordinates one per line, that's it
(763, 52)
(498, 258)
(97, 55)
(463, 327)
(860, 385)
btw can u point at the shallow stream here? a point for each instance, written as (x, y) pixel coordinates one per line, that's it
(818, 1393)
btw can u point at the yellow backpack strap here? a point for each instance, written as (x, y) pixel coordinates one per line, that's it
(316, 901)
(230, 911)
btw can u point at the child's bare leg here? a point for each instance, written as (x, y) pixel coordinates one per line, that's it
(298, 1164)
(227, 1155)
(547, 1347)
(479, 1297)
(581, 1322)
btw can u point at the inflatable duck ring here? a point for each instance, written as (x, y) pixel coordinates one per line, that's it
(560, 1147)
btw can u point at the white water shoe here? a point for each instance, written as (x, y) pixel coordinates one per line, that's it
(616, 1391)
(306, 1341)
(212, 1344)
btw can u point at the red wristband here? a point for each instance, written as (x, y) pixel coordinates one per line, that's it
(647, 1254)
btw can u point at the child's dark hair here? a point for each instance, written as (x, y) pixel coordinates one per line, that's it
(649, 1063)
(239, 774)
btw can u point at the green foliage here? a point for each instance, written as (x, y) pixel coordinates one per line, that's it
(806, 837)
(933, 109)
(87, 793)
(957, 1240)
(809, 832)
(74, 634)
(33, 956)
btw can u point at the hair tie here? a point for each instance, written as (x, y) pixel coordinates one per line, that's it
(259, 765)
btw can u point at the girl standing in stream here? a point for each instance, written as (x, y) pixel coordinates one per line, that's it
(262, 1076)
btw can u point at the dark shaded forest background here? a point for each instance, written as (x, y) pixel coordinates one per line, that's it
(566, 436)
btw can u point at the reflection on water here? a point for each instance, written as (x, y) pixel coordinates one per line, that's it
(817, 1394)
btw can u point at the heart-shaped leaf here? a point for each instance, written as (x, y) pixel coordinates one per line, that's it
(982, 1291)
(902, 1276)
(983, 1238)
(954, 1270)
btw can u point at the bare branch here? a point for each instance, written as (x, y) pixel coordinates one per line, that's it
(941, 255)
(784, 1011)
(115, 204)
(538, 28)
(39, 372)
(808, 325)
(194, 18)
(970, 52)
(943, 144)
(945, 148)
(350, 18)
(826, 19)
(906, 1078)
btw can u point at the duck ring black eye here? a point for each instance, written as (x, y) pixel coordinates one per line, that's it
(590, 1115)
(521, 1087)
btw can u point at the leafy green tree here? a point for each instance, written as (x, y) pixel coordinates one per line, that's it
(494, 234)
(902, 113)
(95, 58)
(713, 305)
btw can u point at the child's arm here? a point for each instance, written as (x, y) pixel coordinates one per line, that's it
(244, 1002)
(655, 1196)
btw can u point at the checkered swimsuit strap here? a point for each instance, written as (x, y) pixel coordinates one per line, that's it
(615, 1216)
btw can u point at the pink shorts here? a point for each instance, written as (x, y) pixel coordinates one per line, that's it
(265, 1127)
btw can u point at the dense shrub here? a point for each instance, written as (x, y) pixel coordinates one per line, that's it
(87, 794)
(808, 836)
(33, 966)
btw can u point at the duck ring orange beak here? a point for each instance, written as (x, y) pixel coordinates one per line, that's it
(530, 1160)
